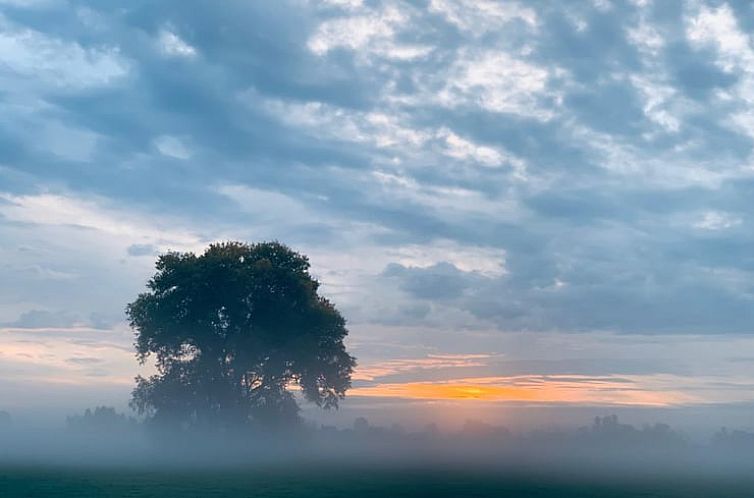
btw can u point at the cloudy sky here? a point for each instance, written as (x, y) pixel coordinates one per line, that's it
(539, 203)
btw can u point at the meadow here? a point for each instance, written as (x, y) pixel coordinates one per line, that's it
(340, 481)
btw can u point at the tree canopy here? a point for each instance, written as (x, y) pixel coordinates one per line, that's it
(231, 330)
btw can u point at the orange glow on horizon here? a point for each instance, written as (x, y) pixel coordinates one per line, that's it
(535, 389)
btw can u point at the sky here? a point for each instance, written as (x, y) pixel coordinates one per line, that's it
(514, 204)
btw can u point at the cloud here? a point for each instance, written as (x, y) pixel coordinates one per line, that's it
(371, 32)
(60, 246)
(34, 319)
(381, 129)
(460, 148)
(31, 55)
(174, 46)
(56, 209)
(30, 3)
(487, 261)
(487, 15)
(656, 96)
(646, 37)
(437, 282)
(498, 82)
(141, 250)
(84, 360)
(65, 356)
(430, 362)
(265, 206)
(172, 147)
(714, 220)
(446, 201)
(718, 27)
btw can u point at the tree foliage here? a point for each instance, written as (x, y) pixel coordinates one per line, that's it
(231, 330)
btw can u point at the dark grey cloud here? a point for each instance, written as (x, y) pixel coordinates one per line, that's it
(35, 318)
(141, 250)
(437, 282)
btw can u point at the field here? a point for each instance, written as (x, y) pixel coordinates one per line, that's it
(330, 481)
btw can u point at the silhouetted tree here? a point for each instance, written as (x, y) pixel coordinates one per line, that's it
(102, 419)
(233, 328)
(361, 425)
(735, 439)
(478, 430)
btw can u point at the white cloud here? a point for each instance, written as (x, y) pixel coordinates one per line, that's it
(329, 6)
(716, 220)
(719, 28)
(743, 121)
(345, 4)
(658, 99)
(112, 225)
(578, 22)
(58, 236)
(393, 136)
(36, 56)
(646, 37)
(662, 103)
(370, 33)
(675, 168)
(452, 203)
(44, 273)
(478, 16)
(380, 128)
(602, 5)
(490, 79)
(390, 132)
(173, 45)
(171, 146)
(355, 32)
(32, 3)
(487, 261)
(269, 214)
(372, 371)
(461, 148)
(497, 82)
(74, 355)
(266, 206)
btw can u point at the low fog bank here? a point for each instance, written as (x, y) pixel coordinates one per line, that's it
(605, 446)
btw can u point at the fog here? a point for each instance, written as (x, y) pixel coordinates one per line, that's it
(604, 447)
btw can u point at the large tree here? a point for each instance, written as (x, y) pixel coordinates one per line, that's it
(232, 330)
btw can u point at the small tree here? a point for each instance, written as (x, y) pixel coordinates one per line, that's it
(231, 330)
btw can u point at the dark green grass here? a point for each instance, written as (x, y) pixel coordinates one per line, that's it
(338, 481)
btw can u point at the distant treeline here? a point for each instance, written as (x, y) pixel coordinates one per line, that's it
(606, 431)
(103, 436)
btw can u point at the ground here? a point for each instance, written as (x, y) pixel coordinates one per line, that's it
(330, 481)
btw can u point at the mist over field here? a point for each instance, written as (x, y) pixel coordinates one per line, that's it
(604, 448)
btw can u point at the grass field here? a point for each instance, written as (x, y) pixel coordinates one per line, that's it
(336, 482)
